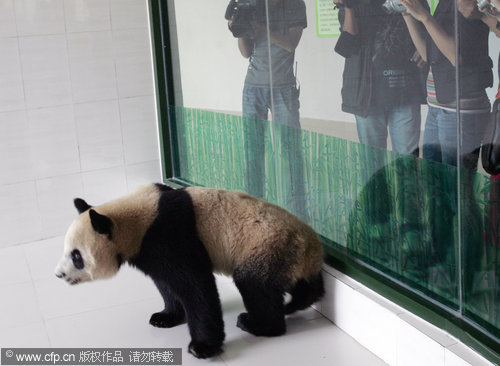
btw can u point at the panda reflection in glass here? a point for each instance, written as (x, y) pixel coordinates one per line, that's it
(180, 237)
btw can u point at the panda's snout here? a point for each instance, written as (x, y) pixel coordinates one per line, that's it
(69, 280)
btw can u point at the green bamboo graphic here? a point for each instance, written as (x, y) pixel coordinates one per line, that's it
(395, 212)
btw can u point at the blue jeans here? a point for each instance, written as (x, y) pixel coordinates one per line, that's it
(285, 111)
(403, 123)
(441, 143)
(440, 137)
(257, 103)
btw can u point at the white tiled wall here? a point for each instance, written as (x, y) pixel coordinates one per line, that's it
(77, 113)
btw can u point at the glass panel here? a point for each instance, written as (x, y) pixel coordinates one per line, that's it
(356, 174)
(287, 21)
(480, 194)
(223, 52)
(260, 143)
(347, 116)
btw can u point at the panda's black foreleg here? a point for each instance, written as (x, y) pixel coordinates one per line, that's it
(201, 302)
(264, 304)
(173, 313)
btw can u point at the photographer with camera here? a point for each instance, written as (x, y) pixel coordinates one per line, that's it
(382, 80)
(287, 19)
(486, 10)
(433, 35)
(270, 85)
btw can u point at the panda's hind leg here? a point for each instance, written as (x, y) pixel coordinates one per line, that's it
(173, 313)
(264, 303)
(305, 293)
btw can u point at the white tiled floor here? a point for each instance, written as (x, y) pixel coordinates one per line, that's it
(38, 310)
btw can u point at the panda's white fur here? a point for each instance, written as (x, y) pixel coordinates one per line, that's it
(178, 237)
(131, 216)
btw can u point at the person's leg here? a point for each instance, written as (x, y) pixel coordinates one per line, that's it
(255, 113)
(289, 149)
(447, 135)
(441, 131)
(372, 129)
(255, 102)
(432, 147)
(372, 133)
(440, 188)
(404, 126)
(472, 228)
(473, 127)
(285, 108)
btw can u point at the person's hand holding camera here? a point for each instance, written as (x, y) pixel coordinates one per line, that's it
(491, 11)
(490, 7)
(416, 10)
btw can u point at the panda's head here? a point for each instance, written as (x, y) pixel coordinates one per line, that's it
(89, 250)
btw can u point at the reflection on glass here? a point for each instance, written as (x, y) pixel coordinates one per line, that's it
(382, 83)
(430, 220)
(270, 83)
(480, 197)
(433, 36)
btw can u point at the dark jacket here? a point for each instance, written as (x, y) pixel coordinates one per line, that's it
(381, 50)
(475, 65)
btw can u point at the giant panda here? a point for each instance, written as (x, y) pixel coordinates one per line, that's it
(180, 237)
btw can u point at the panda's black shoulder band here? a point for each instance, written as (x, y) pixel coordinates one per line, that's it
(119, 260)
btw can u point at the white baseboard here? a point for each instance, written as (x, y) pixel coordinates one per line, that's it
(389, 331)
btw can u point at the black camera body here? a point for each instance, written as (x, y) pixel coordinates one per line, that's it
(242, 13)
(355, 3)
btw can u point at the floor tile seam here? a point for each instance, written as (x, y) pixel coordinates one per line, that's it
(51, 318)
(31, 323)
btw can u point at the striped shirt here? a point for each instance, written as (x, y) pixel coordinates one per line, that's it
(477, 102)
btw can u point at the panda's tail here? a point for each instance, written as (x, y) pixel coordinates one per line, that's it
(305, 293)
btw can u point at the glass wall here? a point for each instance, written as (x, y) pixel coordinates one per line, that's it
(365, 118)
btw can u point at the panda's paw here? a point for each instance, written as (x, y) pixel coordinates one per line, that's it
(204, 350)
(244, 323)
(268, 330)
(165, 320)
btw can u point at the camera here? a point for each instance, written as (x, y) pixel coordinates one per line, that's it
(394, 6)
(242, 13)
(352, 3)
(484, 5)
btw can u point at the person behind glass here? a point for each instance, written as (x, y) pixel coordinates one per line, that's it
(433, 36)
(382, 85)
(491, 16)
(287, 19)
(270, 85)
(486, 10)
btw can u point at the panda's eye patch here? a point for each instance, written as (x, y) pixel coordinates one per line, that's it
(77, 259)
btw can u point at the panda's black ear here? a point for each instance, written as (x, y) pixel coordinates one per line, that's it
(102, 224)
(81, 205)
